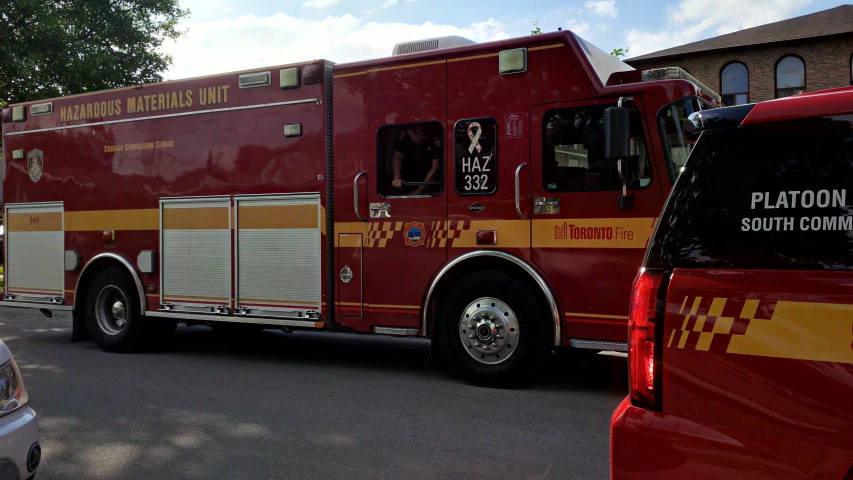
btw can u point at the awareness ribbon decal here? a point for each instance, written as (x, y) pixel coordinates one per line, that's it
(475, 137)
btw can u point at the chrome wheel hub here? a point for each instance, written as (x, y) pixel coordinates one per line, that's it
(489, 330)
(119, 310)
(111, 310)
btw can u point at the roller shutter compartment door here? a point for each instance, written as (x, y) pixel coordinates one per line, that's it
(278, 256)
(196, 258)
(35, 243)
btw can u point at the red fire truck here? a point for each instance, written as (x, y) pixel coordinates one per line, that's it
(458, 191)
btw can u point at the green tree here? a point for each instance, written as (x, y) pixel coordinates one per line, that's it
(536, 30)
(53, 48)
(619, 52)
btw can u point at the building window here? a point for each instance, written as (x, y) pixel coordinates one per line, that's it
(573, 151)
(735, 82)
(790, 76)
(409, 160)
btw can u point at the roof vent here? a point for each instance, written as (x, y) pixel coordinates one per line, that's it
(430, 44)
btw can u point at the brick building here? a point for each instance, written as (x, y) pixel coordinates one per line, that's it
(812, 52)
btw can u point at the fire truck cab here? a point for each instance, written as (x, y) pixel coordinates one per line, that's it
(495, 197)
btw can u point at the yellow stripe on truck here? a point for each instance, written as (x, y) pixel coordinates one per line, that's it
(98, 220)
(34, 222)
(277, 216)
(511, 233)
(801, 331)
(207, 218)
(137, 219)
(593, 232)
(631, 233)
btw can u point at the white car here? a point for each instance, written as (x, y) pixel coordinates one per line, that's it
(20, 452)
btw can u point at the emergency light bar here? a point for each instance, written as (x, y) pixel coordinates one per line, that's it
(677, 73)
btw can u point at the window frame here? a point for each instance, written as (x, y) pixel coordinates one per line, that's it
(670, 167)
(441, 162)
(722, 90)
(497, 139)
(603, 105)
(776, 74)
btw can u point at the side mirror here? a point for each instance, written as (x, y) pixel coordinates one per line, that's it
(617, 133)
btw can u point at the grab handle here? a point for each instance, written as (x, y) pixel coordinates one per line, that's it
(355, 195)
(518, 191)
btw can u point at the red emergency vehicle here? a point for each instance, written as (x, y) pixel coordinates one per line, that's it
(741, 330)
(453, 190)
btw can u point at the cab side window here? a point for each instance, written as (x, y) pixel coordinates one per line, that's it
(410, 157)
(573, 152)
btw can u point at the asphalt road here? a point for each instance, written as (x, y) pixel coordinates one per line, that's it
(302, 406)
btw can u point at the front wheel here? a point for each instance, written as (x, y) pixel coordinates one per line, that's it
(113, 314)
(493, 331)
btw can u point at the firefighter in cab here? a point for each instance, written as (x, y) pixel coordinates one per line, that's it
(416, 164)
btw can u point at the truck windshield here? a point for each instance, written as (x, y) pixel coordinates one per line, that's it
(676, 144)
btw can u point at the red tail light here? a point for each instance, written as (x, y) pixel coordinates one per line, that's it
(643, 368)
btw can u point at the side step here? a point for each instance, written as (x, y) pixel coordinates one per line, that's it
(401, 332)
(39, 305)
(599, 345)
(282, 322)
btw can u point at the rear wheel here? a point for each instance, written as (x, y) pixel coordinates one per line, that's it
(113, 314)
(493, 331)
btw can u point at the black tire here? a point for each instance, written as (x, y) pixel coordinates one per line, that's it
(115, 284)
(527, 355)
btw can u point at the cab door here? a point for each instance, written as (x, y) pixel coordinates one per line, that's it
(589, 245)
(400, 251)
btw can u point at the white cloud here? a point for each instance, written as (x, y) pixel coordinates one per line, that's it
(582, 29)
(255, 42)
(693, 20)
(319, 3)
(389, 3)
(603, 8)
(205, 9)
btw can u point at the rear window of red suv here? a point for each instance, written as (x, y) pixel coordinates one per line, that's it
(776, 195)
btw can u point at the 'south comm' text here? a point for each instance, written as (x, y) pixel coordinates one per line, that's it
(798, 199)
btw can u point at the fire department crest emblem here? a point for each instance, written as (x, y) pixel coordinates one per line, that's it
(35, 164)
(415, 234)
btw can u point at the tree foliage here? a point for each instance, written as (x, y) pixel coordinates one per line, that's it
(60, 47)
(536, 30)
(619, 52)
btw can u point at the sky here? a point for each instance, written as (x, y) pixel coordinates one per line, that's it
(228, 35)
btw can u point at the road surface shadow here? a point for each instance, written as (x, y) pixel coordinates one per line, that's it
(302, 405)
(587, 372)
